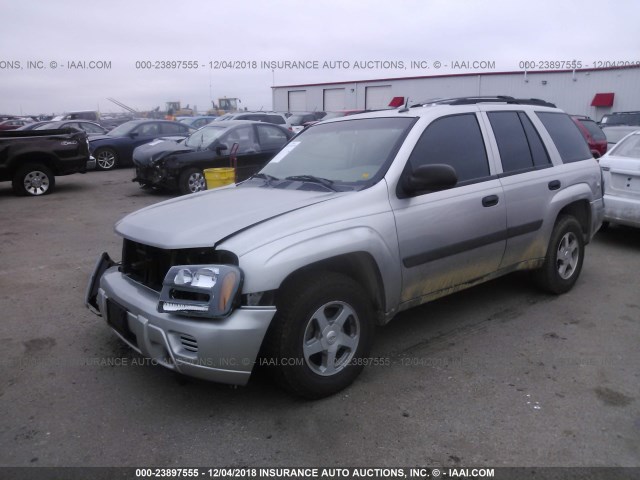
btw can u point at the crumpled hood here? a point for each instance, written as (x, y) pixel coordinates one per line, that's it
(158, 149)
(203, 219)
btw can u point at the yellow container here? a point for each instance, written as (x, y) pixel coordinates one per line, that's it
(219, 177)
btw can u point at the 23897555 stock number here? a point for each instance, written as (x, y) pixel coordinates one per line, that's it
(194, 64)
(167, 64)
(196, 472)
(167, 472)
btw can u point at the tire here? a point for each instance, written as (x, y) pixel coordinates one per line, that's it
(320, 336)
(565, 255)
(106, 158)
(34, 179)
(191, 181)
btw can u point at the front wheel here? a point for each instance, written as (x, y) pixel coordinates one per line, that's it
(321, 336)
(33, 180)
(565, 255)
(191, 181)
(106, 158)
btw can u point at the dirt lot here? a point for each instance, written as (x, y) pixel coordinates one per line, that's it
(499, 375)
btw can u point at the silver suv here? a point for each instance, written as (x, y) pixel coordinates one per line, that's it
(352, 222)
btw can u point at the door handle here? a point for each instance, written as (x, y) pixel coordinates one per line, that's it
(490, 201)
(554, 185)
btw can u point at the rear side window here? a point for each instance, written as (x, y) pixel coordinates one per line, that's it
(254, 117)
(455, 140)
(520, 146)
(277, 119)
(565, 134)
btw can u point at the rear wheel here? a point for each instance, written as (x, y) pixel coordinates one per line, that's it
(33, 180)
(191, 181)
(106, 158)
(321, 336)
(565, 255)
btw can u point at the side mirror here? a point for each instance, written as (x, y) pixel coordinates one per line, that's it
(221, 148)
(134, 134)
(431, 178)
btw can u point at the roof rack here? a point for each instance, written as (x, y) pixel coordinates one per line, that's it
(487, 99)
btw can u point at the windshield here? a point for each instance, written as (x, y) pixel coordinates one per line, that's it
(352, 154)
(629, 147)
(122, 130)
(204, 137)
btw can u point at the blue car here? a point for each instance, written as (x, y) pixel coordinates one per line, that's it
(116, 147)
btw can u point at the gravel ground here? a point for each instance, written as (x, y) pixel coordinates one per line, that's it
(498, 375)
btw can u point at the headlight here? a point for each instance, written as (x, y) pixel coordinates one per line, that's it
(200, 290)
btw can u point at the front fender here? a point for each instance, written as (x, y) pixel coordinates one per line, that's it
(265, 268)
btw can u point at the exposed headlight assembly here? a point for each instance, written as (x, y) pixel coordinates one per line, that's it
(200, 290)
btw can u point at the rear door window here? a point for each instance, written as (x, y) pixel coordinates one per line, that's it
(276, 119)
(148, 129)
(518, 142)
(174, 129)
(567, 137)
(271, 138)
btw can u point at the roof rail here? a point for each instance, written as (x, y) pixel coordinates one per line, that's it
(487, 99)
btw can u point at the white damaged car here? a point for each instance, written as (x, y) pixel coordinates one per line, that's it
(621, 174)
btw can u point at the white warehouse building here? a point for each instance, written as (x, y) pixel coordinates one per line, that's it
(593, 92)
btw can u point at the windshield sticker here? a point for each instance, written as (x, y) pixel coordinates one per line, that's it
(284, 152)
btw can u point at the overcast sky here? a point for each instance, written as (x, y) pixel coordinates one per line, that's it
(201, 31)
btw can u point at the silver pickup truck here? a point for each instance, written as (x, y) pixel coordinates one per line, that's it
(355, 220)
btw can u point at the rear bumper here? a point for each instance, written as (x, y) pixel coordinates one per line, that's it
(622, 210)
(219, 350)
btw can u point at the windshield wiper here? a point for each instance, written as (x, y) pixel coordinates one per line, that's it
(264, 176)
(325, 182)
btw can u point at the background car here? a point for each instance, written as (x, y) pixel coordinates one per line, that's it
(89, 115)
(616, 133)
(115, 148)
(90, 128)
(592, 133)
(112, 121)
(33, 125)
(297, 121)
(268, 117)
(329, 116)
(199, 121)
(172, 165)
(14, 123)
(621, 179)
(341, 113)
(620, 118)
